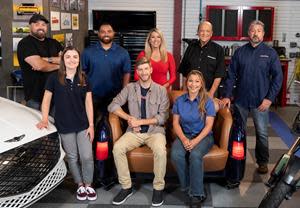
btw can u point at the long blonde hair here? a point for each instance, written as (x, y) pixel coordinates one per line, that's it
(202, 92)
(162, 47)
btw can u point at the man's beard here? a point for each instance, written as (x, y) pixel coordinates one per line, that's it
(255, 39)
(106, 39)
(39, 35)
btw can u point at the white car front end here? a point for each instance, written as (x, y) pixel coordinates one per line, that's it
(31, 160)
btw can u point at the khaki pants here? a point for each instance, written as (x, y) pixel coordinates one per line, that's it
(130, 141)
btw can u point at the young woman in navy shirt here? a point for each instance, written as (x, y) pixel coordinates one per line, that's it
(73, 118)
(193, 118)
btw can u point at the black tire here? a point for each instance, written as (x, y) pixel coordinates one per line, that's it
(275, 195)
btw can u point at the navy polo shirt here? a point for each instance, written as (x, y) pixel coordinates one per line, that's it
(257, 74)
(69, 101)
(190, 120)
(105, 69)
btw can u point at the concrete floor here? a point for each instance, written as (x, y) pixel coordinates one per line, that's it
(248, 194)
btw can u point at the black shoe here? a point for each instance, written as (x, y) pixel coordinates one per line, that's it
(197, 200)
(122, 196)
(157, 198)
(232, 184)
(262, 169)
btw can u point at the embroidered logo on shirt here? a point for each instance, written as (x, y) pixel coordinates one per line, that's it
(264, 56)
(208, 56)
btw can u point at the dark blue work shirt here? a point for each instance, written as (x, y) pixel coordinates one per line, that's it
(190, 119)
(69, 101)
(257, 74)
(105, 69)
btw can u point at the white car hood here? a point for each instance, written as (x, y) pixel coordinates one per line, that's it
(17, 120)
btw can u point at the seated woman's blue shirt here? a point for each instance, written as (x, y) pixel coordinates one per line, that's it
(190, 120)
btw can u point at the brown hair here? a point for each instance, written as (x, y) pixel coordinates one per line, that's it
(62, 68)
(162, 47)
(142, 61)
(202, 92)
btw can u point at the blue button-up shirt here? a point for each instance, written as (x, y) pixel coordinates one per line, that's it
(190, 118)
(257, 74)
(105, 68)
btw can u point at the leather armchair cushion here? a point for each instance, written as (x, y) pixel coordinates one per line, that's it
(141, 159)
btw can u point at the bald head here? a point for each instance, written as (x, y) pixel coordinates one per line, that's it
(204, 32)
(207, 23)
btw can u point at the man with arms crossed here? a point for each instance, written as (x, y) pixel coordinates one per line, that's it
(38, 57)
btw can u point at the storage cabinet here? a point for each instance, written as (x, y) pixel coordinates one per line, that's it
(232, 22)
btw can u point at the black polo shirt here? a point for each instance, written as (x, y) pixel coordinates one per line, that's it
(69, 101)
(208, 59)
(34, 81)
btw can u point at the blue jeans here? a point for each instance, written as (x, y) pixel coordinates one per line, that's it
(33, 104)
(189, 165)
(261, 121)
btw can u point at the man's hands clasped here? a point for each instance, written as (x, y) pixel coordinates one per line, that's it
(134, 123)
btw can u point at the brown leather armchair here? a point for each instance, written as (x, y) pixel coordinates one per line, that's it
(140, 160)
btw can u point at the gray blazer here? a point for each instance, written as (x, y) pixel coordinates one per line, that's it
(157, 104)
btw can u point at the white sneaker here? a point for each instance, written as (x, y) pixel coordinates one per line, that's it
(81, 193)
(91, 193)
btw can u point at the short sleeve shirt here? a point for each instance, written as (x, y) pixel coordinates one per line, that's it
(191, 120)
(209, 60)
(34, 81)
(105, 69)
(69, 101)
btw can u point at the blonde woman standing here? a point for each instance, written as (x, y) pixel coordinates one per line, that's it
(161, 60)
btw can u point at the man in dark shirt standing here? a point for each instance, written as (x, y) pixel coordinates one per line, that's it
(107, 66)
(256, 72)
(205, 56)
(38, 57)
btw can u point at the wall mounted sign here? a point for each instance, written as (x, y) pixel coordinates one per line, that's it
(24, 9)
(55, 21)
(65, 5)
(60, 38)
(69, 39)
(65, 20)
(75, 22)
(20, 29)
(73, 5)
(55, 3)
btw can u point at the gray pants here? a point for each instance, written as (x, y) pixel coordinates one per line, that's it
(77, 145)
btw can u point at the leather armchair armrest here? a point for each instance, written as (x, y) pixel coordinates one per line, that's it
(115, 125)
(223, 127)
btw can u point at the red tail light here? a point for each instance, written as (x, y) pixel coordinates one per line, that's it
(102, 150)
(238, 151)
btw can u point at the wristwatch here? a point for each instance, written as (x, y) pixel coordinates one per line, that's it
(50, 60)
